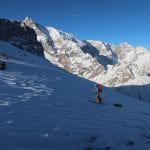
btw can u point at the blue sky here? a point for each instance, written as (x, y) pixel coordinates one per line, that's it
(112, 21)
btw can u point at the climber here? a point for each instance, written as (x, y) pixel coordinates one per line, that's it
(97, 91)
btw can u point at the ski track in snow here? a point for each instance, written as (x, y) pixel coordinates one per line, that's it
(29, 86)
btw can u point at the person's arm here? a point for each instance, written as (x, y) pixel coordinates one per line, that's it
(95, 88)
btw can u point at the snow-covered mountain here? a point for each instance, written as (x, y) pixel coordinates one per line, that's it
(120, 66)
(42, 107)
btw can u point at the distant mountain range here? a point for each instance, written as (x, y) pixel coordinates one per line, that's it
(123, 67)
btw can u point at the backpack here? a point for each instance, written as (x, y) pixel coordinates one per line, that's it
(99, 86)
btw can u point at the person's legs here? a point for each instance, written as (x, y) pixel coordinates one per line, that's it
(98, 98)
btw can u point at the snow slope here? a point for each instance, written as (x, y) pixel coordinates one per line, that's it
(44, 108)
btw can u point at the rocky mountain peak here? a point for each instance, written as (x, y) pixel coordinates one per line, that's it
(20, 35)
(28, 21)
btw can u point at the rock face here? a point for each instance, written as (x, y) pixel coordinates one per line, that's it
(115, 66)
(20, 35)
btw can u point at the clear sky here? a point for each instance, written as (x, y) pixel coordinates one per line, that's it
(112, 21)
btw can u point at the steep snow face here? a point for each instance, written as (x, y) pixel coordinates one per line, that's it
(143, 61)
(132, 68)
(44, 107)
(64, 50)
(104, 50)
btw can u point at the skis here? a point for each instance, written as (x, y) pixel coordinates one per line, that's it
(115, 104)
(97, 103)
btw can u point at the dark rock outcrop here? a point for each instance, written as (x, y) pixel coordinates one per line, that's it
(20, 35)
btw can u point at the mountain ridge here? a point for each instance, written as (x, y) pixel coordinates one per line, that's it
(94, 60)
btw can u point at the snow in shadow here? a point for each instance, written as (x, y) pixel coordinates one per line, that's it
(140, 92)
(94, 52)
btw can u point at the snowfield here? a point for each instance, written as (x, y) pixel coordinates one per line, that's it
(42, 107)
